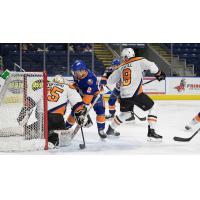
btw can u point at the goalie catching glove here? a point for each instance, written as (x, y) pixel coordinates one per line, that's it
(81, 118)
(160, 75)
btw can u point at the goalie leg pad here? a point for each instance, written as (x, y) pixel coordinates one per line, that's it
(53, 138)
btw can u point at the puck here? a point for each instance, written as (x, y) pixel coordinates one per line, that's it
(82, 146)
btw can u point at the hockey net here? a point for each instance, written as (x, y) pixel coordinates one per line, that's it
(33, 135)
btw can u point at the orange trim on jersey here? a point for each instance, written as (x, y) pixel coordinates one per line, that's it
(71, 120)
(112, 107)
(100, 119)
(60, 110)
(116, 121)
(131, 60)
(197, 118)
(87, 98)
(140, 89)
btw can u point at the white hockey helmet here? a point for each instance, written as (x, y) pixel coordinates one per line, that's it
(127, 53)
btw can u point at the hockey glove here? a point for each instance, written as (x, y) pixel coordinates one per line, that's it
(80, 116)
(24, 116)
(102, 83)
(160, 75)
(26, 111)
(82, 119)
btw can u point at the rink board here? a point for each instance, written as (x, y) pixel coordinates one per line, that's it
(173, 88)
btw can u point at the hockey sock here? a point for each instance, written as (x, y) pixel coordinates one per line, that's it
(100, 119)
(152, 117)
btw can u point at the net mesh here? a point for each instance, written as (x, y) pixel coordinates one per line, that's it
(22, 112)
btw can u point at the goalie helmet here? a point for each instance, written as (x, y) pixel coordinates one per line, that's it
(58, 79)
(127, 53)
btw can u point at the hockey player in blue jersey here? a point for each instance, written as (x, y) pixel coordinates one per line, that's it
(86, 83)
(115, 94)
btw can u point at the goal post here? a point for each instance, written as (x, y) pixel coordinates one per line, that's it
(14, 107)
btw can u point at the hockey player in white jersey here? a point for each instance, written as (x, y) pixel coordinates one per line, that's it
(59, 95)
(131, 93)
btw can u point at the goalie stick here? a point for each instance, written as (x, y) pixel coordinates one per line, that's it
(180, 139)
(140, 118)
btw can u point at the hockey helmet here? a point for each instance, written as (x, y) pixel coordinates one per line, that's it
(79, 68)
(115, 62)
(127, 53)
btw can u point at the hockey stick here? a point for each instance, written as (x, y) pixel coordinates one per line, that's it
(140, 118)
(78, 126)
(180, 139)
(82, 146)
(149, 81)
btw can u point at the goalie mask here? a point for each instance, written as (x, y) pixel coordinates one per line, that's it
(58, 79)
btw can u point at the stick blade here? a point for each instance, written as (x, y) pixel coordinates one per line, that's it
(180, 139)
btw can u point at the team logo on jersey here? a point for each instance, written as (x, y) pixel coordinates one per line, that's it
(89, 90)
(15, 86)
(90, 82)
(38, 84)
(181, 86)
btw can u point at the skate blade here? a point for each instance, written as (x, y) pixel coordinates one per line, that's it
(150, 139)
(103, 139)
(113, 136)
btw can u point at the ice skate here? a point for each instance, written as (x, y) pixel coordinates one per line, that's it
(111, 131)
(102, 134)
(153, 136)
(191, 125)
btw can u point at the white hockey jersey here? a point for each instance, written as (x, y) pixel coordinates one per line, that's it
(130, 76)
(58, 97)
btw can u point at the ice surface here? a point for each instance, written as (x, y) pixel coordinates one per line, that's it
(172, 117)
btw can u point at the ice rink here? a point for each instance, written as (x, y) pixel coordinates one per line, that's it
(172, 117)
